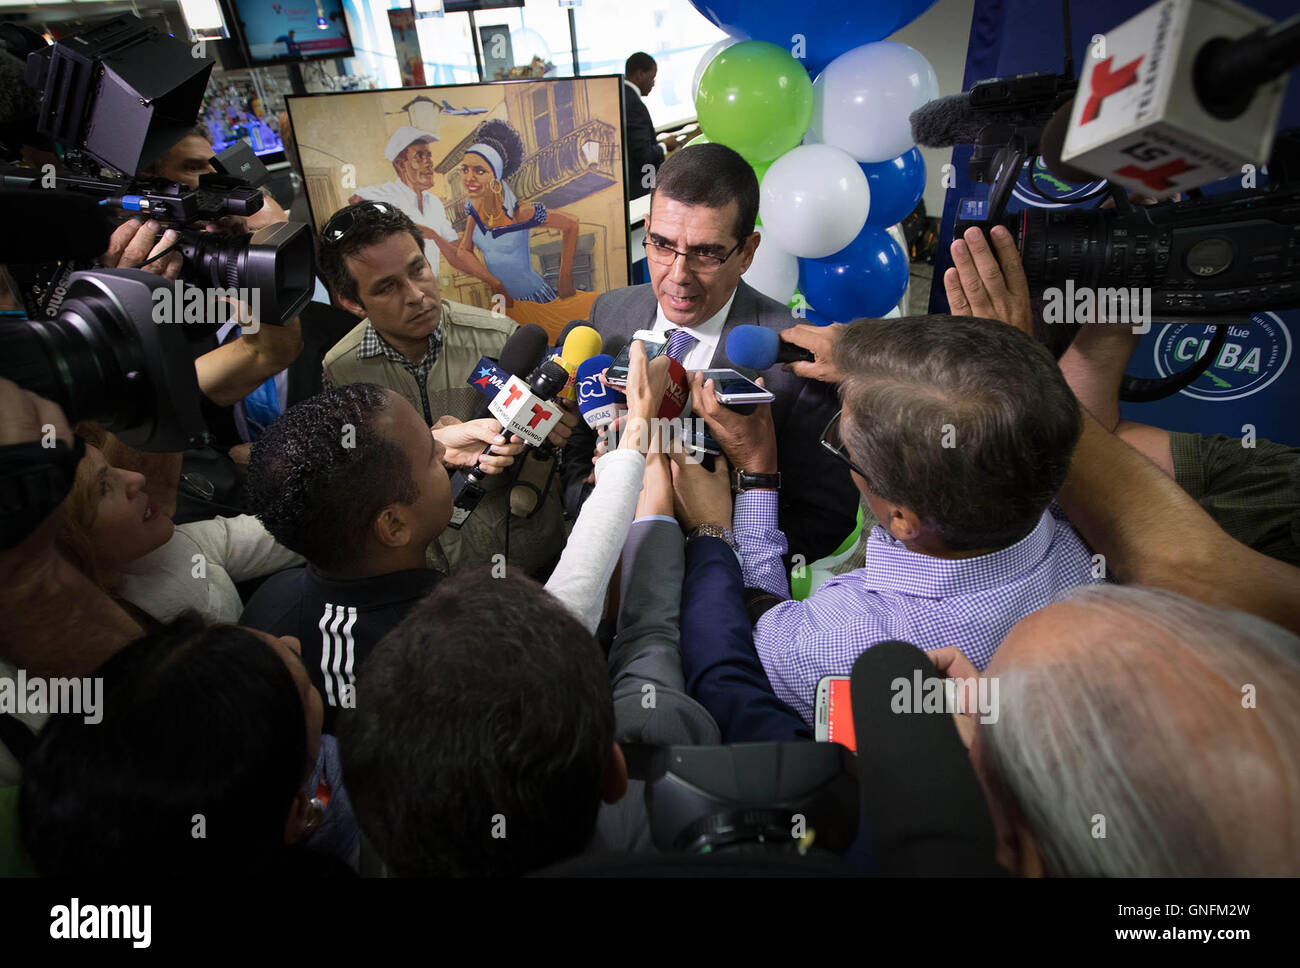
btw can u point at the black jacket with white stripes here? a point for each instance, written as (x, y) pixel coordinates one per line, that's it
(337, 622)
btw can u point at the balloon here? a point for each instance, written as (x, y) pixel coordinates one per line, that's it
(755, 98)
(862, 101)
(866, 278)
(707, 59)
(774, 272)
(760, 169)
(827, 27)
(814, 200)
(896, 186)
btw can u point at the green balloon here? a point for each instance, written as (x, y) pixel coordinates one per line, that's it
(756, 98)
(760, 168)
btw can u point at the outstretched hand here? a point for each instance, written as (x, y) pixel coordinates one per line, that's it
(982, 283)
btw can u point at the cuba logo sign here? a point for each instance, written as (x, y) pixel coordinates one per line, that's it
(1250, 360)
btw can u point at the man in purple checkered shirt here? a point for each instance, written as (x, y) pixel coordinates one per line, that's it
(958, 432)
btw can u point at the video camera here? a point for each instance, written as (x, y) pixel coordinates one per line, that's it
(1212, 260)
(116, 97)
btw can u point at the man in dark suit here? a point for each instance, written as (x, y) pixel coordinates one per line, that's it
(642, 147)
(700, 238)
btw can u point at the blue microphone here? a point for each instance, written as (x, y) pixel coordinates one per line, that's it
(758, 348)
(599, 405)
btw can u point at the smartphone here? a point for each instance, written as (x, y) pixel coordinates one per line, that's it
(654, 344)
(729, 387)
(833, 719)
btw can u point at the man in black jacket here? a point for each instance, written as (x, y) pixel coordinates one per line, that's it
(644, 153)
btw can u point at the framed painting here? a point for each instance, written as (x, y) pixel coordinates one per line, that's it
(518, 187)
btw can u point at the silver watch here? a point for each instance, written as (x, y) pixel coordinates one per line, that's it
(713, 531)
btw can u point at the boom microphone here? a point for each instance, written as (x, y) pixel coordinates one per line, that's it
(923, 805)
(758, 348)
(946, 121)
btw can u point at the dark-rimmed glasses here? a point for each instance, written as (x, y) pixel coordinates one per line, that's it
(695, 261)
(345, 220)
(833, 442)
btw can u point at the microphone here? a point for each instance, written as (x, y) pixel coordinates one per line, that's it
(600, 405)
(57, 226)
(923, 805)
(677, 395)
(580, 342)
(957, 120)
(758, 348)
(1144, 121)
(1051, 143)
(520, 355)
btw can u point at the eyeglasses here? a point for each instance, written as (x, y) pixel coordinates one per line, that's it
(345, 220)
(695, 261)
(833, 442)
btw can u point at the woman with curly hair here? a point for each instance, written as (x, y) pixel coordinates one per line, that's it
(499, 226)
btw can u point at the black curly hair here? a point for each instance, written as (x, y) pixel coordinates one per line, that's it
(502, 136)
(317, 486)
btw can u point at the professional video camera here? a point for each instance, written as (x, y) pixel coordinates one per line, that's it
(117, 96)
(1211, 260)
(767, 798)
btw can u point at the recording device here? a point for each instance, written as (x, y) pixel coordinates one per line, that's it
(676, 400)
(655, 345)
(732, 387)
(760, 348)
(1185, 93)
(118, 95)
(1210, 260)
(750, 798)
(521, 354)
(923, 807)
(833, 713)
(103, 358)
(578, 344)
(599, 405)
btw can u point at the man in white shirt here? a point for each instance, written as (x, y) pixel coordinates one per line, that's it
(412, 192)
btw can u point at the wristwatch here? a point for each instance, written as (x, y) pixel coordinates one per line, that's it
(713, 531)
(745, 481)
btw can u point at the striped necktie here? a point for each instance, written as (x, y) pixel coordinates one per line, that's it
(679, 344)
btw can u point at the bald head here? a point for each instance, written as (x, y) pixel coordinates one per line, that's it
(1143, 734)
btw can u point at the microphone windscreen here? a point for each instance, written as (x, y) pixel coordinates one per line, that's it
(1052, 142)
(945, 121)
(582, 343)
(57, 225)
(924, 806)
(596, 402)
(568, 328)
(753, 347)
(523, 350)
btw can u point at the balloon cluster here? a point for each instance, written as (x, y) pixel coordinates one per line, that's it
(834, 156)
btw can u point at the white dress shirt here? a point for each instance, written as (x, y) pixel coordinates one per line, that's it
(707, 334)
(433, 216)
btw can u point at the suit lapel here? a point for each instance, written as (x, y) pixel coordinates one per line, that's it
(743, 312)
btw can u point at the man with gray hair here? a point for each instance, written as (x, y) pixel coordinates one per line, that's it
(1141, 734)
(958, 433)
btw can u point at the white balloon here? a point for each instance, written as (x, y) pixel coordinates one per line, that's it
(814, 201)
(707, 59)
(862, 101)
(774, 271)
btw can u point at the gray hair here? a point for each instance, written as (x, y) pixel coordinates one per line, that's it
(1139, 716)
(965, 421)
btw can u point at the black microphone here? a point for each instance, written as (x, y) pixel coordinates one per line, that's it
(946, 121)
(1051, 143)
(57, 225)
(923, 804)
(521, 354)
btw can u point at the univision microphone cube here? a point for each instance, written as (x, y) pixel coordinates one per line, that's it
(523, 413)
(1137, 118)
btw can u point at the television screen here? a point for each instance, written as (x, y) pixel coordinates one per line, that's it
(293, 30)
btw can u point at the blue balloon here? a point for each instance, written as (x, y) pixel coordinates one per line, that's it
(866, 278)
(829, 27)
(896, 186)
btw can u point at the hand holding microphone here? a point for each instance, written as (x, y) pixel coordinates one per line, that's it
(805, 350)
(464, 444)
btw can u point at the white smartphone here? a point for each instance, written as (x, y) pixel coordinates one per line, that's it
(833, 717)
(654, 344)
(730, 386)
